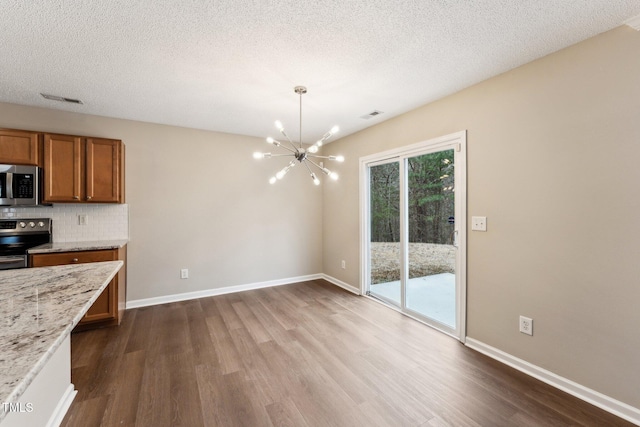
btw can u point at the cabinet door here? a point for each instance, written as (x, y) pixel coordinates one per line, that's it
(103, 170)
(103, 308)
(19, 147)
(62, 168)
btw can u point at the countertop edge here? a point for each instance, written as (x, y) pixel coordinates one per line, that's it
(92, 245)
(20, 388)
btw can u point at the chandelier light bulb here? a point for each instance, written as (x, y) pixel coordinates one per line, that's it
(335, 130)
(333, 176)
(279, 125)
(319, 143)
(273, 142)
(313, 149)
(315, 179)
(286, 169)
(258, 155)
(272, 180)
(340, 159)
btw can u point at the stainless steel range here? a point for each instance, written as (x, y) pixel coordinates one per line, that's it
(19, 235)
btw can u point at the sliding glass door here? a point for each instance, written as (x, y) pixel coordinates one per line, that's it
(430, 286)
(384, 184)
(413, 222)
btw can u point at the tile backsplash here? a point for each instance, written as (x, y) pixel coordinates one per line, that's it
(104, 221)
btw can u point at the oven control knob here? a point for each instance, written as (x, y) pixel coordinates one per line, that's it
(41, 224)
(32, 224)
(23, 224)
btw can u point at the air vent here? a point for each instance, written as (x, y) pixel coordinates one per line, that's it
(372, 114)
(634, 23)
(61, 99)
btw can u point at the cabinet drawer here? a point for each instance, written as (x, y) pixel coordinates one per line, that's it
(63, 258)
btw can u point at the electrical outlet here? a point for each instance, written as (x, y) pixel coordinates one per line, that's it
(344, 264)
(184, 273)
(479, 223)
(526, 325)
(83, 219)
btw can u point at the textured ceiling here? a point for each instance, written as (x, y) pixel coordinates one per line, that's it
(231, 65)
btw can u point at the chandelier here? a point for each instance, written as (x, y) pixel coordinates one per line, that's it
(300, 154)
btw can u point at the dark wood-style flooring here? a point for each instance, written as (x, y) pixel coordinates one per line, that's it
(308, 354)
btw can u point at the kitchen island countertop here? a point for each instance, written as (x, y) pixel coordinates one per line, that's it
(93, 245)
(38, 309)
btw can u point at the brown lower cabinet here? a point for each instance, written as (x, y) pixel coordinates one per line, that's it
(108, 309)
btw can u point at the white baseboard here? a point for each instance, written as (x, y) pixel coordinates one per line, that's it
(341, 284)
(62, 407)
(145, 302)
(598, 399)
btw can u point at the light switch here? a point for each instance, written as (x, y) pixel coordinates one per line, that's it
(479, 223)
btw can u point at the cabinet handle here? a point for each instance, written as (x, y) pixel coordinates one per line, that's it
(88, 197)
(76, 197)
(75, 260)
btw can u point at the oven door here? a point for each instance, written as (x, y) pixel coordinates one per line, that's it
(9, 262)
(13, 246)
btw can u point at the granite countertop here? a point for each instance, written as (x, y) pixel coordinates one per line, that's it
(94, 245)
(38, 309)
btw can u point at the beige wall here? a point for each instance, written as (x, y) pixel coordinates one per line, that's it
(199, 200)
(553, 162)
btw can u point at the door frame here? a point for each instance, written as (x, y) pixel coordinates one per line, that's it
(458, 142)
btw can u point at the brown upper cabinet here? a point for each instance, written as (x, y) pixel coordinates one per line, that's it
(82, 170)
(20, 147)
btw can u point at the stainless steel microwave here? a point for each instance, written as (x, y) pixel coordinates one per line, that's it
(19, 185)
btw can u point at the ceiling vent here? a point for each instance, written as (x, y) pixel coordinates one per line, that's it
(61, 99)
(634, 23)
(371, 115)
